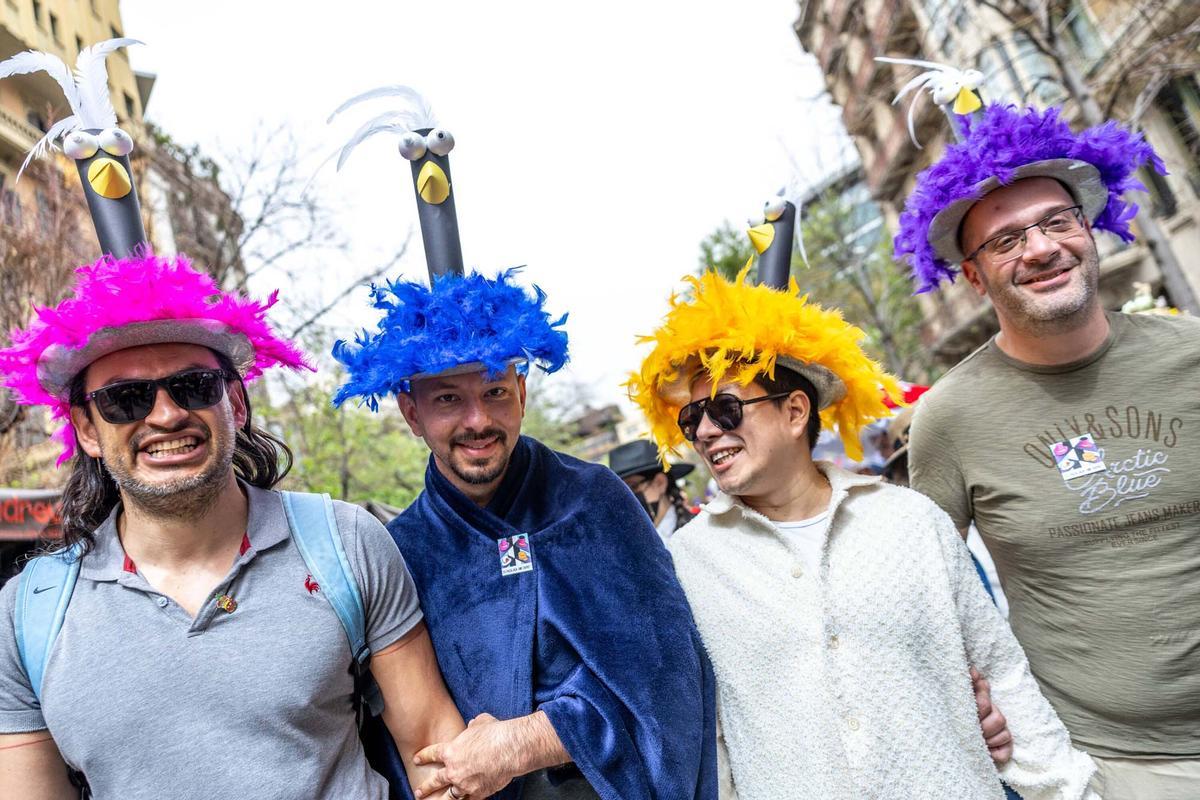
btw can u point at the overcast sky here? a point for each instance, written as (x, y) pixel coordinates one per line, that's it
(596, 143)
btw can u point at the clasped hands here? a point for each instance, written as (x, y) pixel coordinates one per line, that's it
(477, 763)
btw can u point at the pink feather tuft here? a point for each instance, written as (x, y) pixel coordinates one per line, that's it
(112, 293)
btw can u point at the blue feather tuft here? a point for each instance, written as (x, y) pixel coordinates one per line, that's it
(461, 319)
(995, 143)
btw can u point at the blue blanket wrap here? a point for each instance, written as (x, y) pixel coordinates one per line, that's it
(598, 635)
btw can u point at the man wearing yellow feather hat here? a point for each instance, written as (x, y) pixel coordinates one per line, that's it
(841, 614)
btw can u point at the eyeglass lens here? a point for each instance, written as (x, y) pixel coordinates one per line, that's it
(129, 401)
(1059, 225)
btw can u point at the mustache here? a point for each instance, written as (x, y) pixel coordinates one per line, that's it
(487, 433)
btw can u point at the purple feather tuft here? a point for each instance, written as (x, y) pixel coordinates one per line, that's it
(996, 142)
(462, 319)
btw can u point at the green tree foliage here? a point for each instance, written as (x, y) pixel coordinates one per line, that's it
(850, 268)
(351, 453)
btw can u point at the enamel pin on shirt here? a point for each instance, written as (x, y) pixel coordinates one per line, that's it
(515, 557)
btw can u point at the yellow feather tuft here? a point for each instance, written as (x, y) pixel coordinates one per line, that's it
(736, 332)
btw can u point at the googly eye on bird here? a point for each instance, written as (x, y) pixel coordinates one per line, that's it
(115, 142)
(773, 209)
(440, 141)
(412, 146)
(80, 145)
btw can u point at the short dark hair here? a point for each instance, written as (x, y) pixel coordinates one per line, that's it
(259, 458)
(788, 380)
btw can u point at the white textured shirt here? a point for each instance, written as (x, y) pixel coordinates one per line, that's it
(852, 681)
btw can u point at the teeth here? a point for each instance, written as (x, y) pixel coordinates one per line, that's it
(185, 445)
(724, 455)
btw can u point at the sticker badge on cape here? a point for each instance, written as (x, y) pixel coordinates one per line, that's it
(515, 557)
(1077, 457)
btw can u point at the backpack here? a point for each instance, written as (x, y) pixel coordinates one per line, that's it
(39, 616)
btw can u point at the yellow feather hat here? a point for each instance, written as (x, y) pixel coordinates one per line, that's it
(734, 332)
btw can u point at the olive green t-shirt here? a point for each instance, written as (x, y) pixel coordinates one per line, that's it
(1084, 481)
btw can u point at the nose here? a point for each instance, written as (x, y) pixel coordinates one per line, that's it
(475, 416)
(1038, 246)
(707, 430)
(166, 413)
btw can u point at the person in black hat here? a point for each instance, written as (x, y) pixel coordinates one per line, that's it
(655, 486)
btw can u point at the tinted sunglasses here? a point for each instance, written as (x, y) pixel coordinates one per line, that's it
(130, 401)
(725, 411)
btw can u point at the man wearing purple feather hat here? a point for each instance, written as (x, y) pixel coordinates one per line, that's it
(1072, 438)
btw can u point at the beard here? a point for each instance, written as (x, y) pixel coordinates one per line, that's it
(479, 471)
(185, 497)
(1061, 311)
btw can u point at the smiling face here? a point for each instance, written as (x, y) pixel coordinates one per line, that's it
(173, 454)
(1052, 285)
(470, 424)
(762, 453)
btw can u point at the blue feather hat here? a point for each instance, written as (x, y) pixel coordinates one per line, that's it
(460, 323)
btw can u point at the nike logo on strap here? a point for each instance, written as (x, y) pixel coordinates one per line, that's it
(40, 589)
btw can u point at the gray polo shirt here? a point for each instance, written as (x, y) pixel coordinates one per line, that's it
(253, 703)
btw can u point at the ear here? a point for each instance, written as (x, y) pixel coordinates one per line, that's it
(85, 431)
(971, 273)
(408, 407)
(661, 480)
(237, 401)
(798, 411)
(521, 391)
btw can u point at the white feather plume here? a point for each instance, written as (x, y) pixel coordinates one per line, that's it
(86, 90)
(91, 77)
(414, 113)
(942, 80)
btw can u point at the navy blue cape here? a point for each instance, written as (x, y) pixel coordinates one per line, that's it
(598, 635)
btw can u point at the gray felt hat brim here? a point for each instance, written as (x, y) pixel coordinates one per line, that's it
(830, 388)
(1081, 179)
(463, 369)
(59, 365)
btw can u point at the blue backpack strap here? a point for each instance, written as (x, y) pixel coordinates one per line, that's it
(315, 532)
(43, 594)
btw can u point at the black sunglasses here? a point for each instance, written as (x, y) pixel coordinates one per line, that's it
(725, 410)
(130, 401)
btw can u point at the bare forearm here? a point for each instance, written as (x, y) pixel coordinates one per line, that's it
(536, 744)
(31, 767)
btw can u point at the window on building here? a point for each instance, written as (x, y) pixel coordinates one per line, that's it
(130, 108)
(1001, 83)
(54, 27)
(78, 43)
(45, 217)
(35, 119)
(10, 208)
(1038, 77)
(1082, 31)
(1179, 101)
(37, 12)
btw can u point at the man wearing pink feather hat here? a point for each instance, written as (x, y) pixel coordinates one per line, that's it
(185, 640)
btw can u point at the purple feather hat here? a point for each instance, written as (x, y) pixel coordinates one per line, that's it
(1004, 144)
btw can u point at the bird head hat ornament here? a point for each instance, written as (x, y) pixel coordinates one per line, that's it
(461, 322)
(129, 297)
(771, 235)
(997, 145)
(90, 137)
(733, 331)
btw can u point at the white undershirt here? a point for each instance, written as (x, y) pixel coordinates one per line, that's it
(806, 537)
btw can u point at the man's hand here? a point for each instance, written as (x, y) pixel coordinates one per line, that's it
(479, 762)
(991, 721)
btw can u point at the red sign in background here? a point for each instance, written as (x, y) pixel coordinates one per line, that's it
(28, 514)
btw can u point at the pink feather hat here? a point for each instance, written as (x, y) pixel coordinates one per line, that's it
(128, 302)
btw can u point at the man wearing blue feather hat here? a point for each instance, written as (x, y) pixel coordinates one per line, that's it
(559, 626)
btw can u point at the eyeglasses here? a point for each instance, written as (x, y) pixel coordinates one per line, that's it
(1061, 224)
(725, 411)
(130, 401)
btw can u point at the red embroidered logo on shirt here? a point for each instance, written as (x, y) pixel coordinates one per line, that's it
(311, 585)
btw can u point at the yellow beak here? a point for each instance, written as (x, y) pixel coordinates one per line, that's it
(761, 237)
(109, 179)
(966, 102)
(432, 184)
